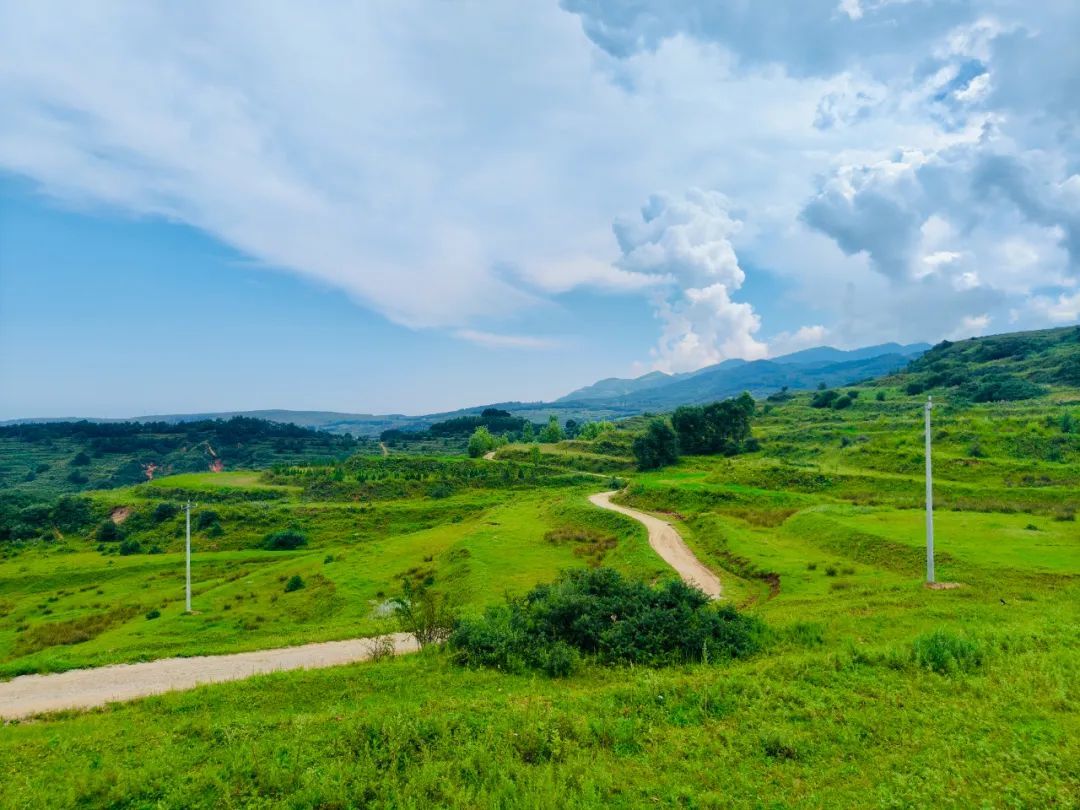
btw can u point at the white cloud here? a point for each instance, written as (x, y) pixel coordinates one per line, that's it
(805, 337)
(494, 340)
(687, 240)
(896, 166)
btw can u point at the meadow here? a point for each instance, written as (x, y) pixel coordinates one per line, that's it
(871, 690)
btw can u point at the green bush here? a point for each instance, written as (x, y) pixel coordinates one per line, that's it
(108, 532)
(130, 546)
(295, 583)
(947, 654)
(599, 614)
(657, 447)
(285, 540)
(166, 510)
(153, 614)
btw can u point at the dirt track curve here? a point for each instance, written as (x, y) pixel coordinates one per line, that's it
(83, 688)
(666, 542)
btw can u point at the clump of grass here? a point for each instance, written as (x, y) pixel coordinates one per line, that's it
(830, 571)
(295, 583)
(811, 566)
(153, 614)
(946, 653)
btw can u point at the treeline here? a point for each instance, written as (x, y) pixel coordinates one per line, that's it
(132, 437)
(719, 428)
(487, 430)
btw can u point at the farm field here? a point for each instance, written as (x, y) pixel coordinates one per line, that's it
(870, 689)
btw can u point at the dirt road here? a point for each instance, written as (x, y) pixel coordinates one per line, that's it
(666, 542)
(83, 688)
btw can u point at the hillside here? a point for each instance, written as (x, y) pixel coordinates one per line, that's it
(1013, 366)
(45, 459)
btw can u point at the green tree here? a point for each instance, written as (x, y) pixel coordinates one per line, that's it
(720, 427)
(527, 432)
(657, 447)
(552, 432)
(481, 442)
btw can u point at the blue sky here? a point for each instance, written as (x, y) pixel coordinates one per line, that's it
(416, 206)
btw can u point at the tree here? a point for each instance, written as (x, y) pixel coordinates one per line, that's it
(720, 427)
(657, 447)
(481, 442)
(572, 428)
(527, 432)
(552, 432)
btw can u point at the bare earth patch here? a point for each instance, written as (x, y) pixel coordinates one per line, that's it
(943, 586)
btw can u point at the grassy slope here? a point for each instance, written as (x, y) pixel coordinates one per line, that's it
(476, 545)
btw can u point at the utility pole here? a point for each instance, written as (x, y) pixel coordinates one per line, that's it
(187, 590)
(929, 498)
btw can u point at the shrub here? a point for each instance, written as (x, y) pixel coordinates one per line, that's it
(946, 654)
(830, 571)
(130, 546)
(427, 616)
(295, 583)
(824, 399)
(880, 396)
(153, 614)
(206, 519)
(598, 613)
(657, 447)
(80, 460)
(285, 540)
(108, 532)
(166, 510)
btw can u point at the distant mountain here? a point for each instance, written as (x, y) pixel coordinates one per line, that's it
(804, 369)
(614, 387)
(827, 354)
(760, 378)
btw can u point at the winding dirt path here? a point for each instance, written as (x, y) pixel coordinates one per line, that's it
(666, 542)
(84, 688)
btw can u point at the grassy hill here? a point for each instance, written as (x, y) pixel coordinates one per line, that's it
(871, 690)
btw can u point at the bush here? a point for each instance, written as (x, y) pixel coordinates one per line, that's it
(598, 613)
(108, 532)
(657, 447)
(946, 654)
(285, 540)
(428, 617)
(153, 614)
(166, 510)
(206, 519)
(295, 583)
(824, 399)
(128, 547)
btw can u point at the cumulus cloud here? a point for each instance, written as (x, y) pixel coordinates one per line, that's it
(687, 240)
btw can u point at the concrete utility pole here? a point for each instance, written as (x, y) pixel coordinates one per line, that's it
(929, 498)
(187, 509)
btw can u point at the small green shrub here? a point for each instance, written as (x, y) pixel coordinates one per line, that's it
(295, 583)
(130, 546)
(830, 571)
(153, 614)
(285, 540)
(166, 510)
(947, 654)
